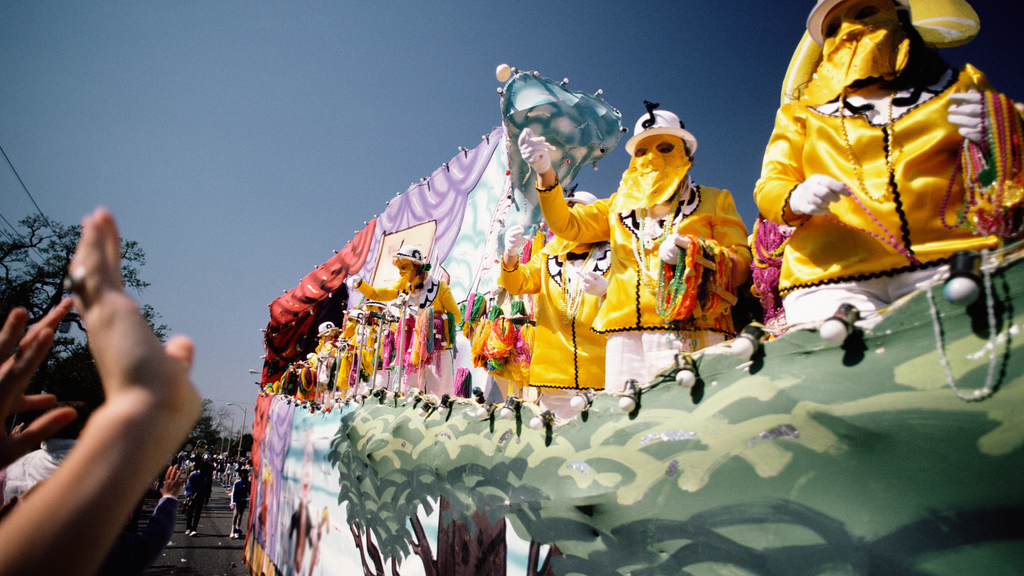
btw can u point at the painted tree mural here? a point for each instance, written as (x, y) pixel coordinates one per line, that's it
(808, 459)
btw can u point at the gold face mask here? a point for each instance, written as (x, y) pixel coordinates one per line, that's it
(862, 40)
(409, 274)
(405, 267)
(655, 173)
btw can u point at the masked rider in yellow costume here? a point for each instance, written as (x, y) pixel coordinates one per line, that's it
(570, 279)
(679, 250)
(862, 163)
(424, 292)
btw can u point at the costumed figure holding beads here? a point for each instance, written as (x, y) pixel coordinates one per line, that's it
(679, 250)
(429, 296)
(884, 160)
(570, 279)
(326, 362)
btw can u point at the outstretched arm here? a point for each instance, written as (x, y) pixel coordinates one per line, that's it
(379, 294)
(580, 224)
(133, 554)
(522, 278)
(70, 522)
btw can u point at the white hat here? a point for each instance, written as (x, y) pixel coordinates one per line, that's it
(410, 252)
(664, 123)
(581, 197)
(817, 18)
(324, 327)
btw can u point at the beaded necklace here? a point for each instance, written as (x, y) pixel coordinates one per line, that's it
(572, 296)
(650, 268)
(677, 295)
(889, 239)
(994, 337)
(853, 159)
(768, 247)
(993, 178)
(768, 251)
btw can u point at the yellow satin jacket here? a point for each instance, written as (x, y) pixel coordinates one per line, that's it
(434, 293)
(708, 213)
(559, 345)
(851, 243)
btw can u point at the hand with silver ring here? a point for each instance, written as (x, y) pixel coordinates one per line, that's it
(73, 281)
(149, 410)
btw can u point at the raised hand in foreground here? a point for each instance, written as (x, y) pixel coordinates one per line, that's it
(73, 518)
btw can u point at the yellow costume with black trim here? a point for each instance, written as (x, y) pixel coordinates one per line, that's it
(706, 213)
(326, 362)
(434, 293)
(437, 375)
(566, 354)
(347, 346)
(849, 244)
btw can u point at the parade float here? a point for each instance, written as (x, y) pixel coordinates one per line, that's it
(893, 450)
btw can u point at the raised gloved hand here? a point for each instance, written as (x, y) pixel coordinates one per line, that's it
(362, 286)
(593, 283)
(968, 113)
(514, 240)
(534, 149)
(813, 196)
(669, 249)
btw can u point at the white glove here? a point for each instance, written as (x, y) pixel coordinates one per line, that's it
(534, 150)
(669, 249)
(968, 113)
(812, 196)
(514, 240)
(593, 283)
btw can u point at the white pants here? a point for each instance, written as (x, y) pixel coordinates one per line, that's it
(642, 355)
(436, 377)
(557, 400)
(817, 303)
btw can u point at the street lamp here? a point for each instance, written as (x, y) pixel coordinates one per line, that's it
(241, 433)
(231, 431)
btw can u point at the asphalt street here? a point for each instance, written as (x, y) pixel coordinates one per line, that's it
(211, 552)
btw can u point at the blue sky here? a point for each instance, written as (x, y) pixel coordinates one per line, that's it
(241, 142)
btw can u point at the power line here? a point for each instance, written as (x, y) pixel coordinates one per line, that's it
(13, 235)
(17, 235)
(13, 229)
(23, 187)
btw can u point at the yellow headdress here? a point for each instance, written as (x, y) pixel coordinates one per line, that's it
(941, 23)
